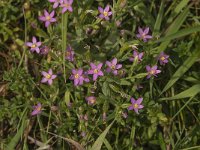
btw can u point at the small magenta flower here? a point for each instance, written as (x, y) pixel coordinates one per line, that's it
(56, 3)
(34, 45)
(48, 77)
(143, 34)
(44, 50)
(91, 100)
(152, 71)
(113, 66)
(48, 18)
(95, 70)
(37, 109)
(69, 54)
(104, 13)
(136, 104)
(136, 56)
(67, 5)
(77, 76)
(163, 58)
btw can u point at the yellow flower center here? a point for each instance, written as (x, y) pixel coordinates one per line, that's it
(96, 70)
(66, 5)
(76, 76)
(67, 53)
(92, 101)
(48, 76)
(135, 106)
(152, 71)
(105, 13)
(38, 108)
(33, 46)
(162, 58)
(48, 17)
(113, 67)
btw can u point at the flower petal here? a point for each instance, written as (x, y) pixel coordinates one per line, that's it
(133, 100)
(139, 101)
(100, 9)
(50, 81)
(44, 80)
(107, 8)
(52, 14)
(146, 30)
(99, 66)
(130, 107)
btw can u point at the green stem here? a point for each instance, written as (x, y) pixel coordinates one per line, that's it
(24, 49)
(64, 39)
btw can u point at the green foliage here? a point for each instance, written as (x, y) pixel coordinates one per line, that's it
(170, 117)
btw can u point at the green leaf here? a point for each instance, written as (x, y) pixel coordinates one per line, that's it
(144, 12)
(186, 65)
(14, 141)
(159, 18)
(67, 97)
(98, 143)
(191, 92)
(174, 27)
(179, 34)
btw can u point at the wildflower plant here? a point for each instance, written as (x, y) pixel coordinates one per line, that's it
(100, 66)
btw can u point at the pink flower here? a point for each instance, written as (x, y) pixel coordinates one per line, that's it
(37, 109)
(104, 13)
(143, 34)
(113, 66)
(136, 56)
(48, 76)
(69, 54)
(163, 58)
(56, 3)
(67, 5)
(152, 71)
(91, 100)
(95, 70)
(34, 45)
(48, 18)
(44, 50)
(77, 76)
(136, 104)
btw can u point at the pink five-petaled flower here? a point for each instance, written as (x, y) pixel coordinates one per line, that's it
(95, 70)
(69, 54)
(56, 3)
(104, 13)
(48, 18)
(91, 100)
(136, 104)
(136, 56)
(152, 71)
(67, 5)
(163, 58)
(48, 76)
(77, 76)
(143, 34)
(34, 45)
(37, 109)
(113, 66)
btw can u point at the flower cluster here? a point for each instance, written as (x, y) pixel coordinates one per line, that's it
(79, 76)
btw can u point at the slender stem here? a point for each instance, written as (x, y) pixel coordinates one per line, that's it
(64, 39)
(24, 49)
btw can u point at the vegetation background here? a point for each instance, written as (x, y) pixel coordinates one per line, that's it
(170, 118)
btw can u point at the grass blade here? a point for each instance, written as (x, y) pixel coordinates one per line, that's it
(186, 65)
(98, 143)
(191, 92)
